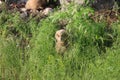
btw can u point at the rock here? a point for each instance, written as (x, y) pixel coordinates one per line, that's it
(10, 1)
(23, 0)
(1, 5)
(79, 2)
(65, 3)
(0, 2)
(23, 9)
(61, 41)
(35, 4)
(53, 3)
(47, 11)
(103, 4)
(24, 15)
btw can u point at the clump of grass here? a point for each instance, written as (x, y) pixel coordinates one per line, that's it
(10, 61)
(27, 48)
(15, 35)
(86, 40)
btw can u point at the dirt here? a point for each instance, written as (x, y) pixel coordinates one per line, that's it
(109, 16)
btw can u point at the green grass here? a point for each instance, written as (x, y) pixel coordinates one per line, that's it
(27, 48)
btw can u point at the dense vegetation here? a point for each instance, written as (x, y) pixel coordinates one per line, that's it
(27, 47)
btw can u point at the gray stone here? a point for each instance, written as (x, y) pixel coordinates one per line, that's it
(23, 0)
(103, 4)
(65, 3)
(23, 9)
(1, 2)
(47, 11)
(24, 15)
